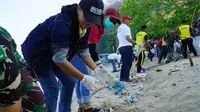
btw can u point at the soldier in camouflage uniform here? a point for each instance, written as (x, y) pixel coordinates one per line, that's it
(170, 37)
(17, 79)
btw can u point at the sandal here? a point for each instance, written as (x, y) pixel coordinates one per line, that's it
(88, 110)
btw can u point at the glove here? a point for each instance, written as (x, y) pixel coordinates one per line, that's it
(90, 82)
(152, 51)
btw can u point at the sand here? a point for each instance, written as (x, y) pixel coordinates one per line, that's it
(161, 91)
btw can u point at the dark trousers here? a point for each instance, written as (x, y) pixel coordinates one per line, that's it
(150, 56)
(93, 53)
(140, 61)
(126, 58)
(163, 53)
(188, 42)
(170, 53)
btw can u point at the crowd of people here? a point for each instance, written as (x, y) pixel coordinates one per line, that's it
(64, 47)
(174, 44)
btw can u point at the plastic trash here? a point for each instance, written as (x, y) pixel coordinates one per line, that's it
(120, 89)
(117, 88)
(196, 43)
(140, 86)
(132, 99)
(109, 88)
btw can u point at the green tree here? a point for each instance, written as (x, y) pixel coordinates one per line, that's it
(158, 15)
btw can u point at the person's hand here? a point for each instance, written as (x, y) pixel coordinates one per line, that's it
(90, 82)
(152, 51)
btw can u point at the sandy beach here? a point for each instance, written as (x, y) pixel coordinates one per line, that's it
(173, 87)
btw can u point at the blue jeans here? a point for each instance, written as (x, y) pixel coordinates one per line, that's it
(158, 51)
(82, 93)
(49, 85)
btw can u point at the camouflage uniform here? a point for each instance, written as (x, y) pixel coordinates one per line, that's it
(17, 79)
(170, 38)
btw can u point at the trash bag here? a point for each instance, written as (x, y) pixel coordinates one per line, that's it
(196, 43)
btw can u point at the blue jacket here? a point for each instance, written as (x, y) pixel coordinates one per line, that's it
(49, 38)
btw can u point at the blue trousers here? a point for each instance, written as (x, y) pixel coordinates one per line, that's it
(49, 85)
(126, 57)
(82, 93)
(112, 61)
(158, 51)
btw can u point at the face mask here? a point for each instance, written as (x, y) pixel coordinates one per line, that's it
(107, 23)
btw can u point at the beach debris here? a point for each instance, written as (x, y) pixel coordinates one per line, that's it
(125, 93)
(158, 70)
(132, 99)
(120, 89)
(140, 76)
(140, 87)
(171, 71)
(174, 84)
(117, 88)
(175, 66)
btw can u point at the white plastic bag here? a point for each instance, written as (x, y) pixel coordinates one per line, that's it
(196, 43)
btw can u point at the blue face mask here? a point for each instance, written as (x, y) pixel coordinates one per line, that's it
(107, 23)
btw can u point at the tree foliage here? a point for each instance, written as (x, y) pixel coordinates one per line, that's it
(107, 43)
(158, 15)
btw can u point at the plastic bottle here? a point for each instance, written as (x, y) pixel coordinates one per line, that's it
(117, 84)
(107, 76)
(134, 99)
(130, 100)
(109, 88)
(120, 89)
(111, 80)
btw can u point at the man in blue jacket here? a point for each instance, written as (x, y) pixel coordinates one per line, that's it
(50, 46)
